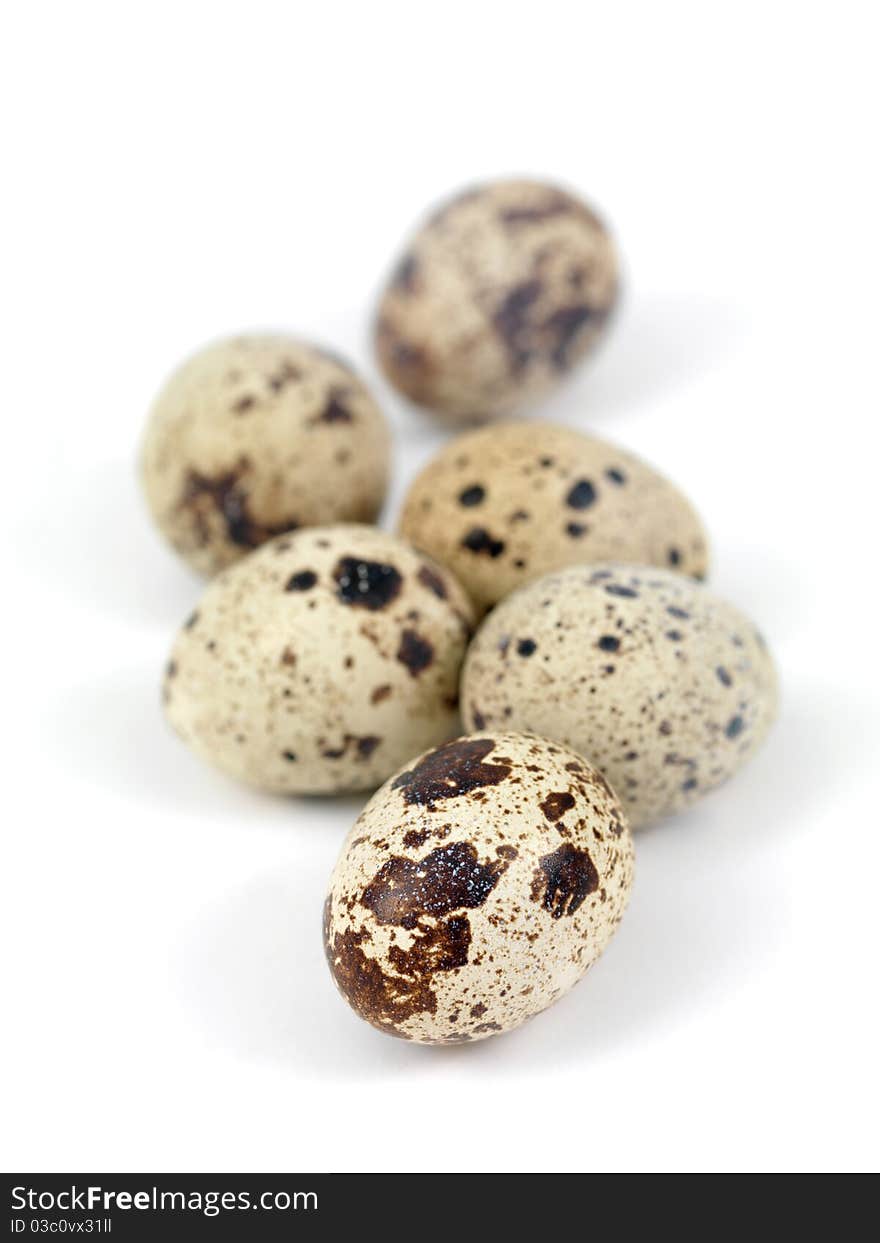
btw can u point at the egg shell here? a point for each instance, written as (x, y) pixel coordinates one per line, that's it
(476, 887)
(319, 662)
(506, 504)
(664, 687)
(259, 435)
(496, 297)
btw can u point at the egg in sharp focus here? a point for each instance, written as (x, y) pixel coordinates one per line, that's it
(320, 662)
(667, 688)
(501, 292)
(506, 504)
(476, 888)
(255, 436)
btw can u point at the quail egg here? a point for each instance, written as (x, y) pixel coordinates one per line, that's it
(259, 435)
(320, 662)
(476, 887)
(666, 688)
(497, 296)
(506, 504)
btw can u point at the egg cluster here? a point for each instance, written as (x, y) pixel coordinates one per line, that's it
(544, 589)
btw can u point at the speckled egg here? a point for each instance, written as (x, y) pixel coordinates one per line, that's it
(504, 505)
(320, 662)
(476, 887)
(498, 295)
(259, 435)
(667, 689)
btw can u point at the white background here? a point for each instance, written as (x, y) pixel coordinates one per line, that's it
(174, 172)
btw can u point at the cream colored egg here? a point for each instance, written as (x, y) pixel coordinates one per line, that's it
(476, 888)
(259, 435)
(320, 662)
(506, 504)
(667, 689)
(495, 299)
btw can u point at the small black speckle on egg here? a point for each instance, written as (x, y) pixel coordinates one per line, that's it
(368, 584)
(581, 495)
(478, 540)
(474, 495)
(526, 647)
(303, 581)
